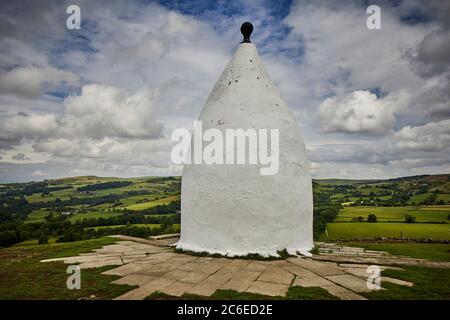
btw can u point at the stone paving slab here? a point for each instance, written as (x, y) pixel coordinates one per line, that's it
(134, 279)
(176, 274)
(247, 275)
(156, 268)
(177, 288)
(268, 288)
(133, 258)
(359, 272)
(236, 265)
(354, 265)
(350, 249)
(101, 263)
(210, 267)
(343, 293)
(302, 282)
(155, 258)
(192, 266)
(256, 266)
(204, 288)
(195, 277)
(147, 289)
(391, 261)
(397, 281)
(124, 270)
(350, 282)
(276, 275)
(345, 265)
(377, 252)
(307, 276)
(237, 285)
(221, 277)
(321, 268)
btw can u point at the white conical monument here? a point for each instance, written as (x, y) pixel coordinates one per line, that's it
(233, 209)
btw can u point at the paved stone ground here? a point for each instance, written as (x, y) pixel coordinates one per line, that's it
(153, 266)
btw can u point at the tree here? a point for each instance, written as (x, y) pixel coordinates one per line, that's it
(409, 218)
(7, 238)
(371, 218)
(43, 239)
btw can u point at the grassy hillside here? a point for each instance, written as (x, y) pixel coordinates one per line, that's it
(68, 209)
(25, 277)
(396, 214)
(150, 205)
(355, 230)
(63, 217)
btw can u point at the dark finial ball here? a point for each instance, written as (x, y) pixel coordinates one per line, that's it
(246, 30)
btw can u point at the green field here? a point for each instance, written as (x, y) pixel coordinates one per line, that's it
(94, 215)
(142, 206)
(176, 226)
(37, 216)
(422, 213)
(150, 204)
(444, 196)
(354, 230)
(33, 242)
(148, 225)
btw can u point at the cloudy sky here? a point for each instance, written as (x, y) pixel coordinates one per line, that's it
(104, 99)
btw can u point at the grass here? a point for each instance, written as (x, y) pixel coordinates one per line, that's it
(444, 196)
(294, 293)
(141, 225)
(422, 213)
(150, 204)
(37, 216)
(23, 276)
(61, 194)
(429, 251)
(32, 242)
(419, 197)
(429, 284)
(354, 230)
(143, 206)
(94, 215)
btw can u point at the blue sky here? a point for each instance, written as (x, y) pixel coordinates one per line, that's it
(369, 103)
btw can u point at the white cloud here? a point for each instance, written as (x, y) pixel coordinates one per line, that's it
(30, 82)
(21, 126)
(95, 117)
(434, 136)
(361, 112)
(113, 124)
(343, 55)
(410, 150)
(104, 111)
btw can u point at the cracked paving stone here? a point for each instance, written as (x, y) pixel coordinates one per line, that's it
(204, 288)
(237, 285)
(147, 289)
(124, 270)
(134, 279)
(343, 293)
(177, 288)
(269, 289)
(350, 282)
(276, 275)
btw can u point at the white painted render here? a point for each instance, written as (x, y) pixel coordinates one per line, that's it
(233, 209)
